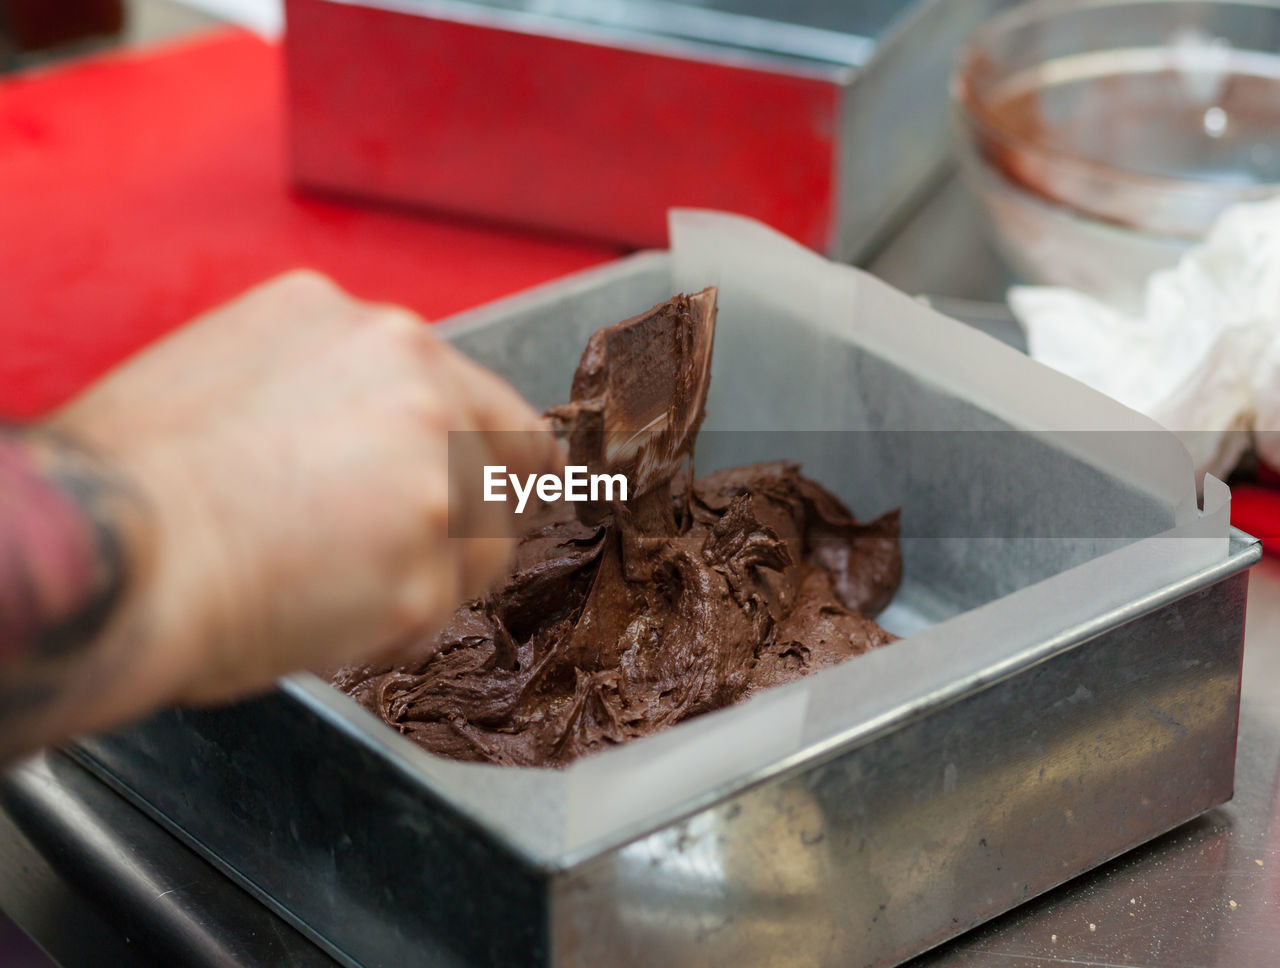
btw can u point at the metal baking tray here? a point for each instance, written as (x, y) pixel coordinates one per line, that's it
(1067, 687)
(825, 120)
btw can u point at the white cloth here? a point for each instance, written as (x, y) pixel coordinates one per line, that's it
(1203, 358)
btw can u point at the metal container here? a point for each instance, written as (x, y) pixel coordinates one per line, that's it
(1068, 686)
(1104, 139)
(824, 120)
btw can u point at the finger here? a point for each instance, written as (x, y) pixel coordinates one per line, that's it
(470, 514)
(417, 644)
(270, 320)
(484, 562)
(516, 435)
(492, 401)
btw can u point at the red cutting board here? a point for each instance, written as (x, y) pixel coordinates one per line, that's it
(139, 189)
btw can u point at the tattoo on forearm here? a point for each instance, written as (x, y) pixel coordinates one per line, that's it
(64, 562)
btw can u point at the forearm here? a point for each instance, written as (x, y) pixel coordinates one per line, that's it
(266, 490)
(76, 537)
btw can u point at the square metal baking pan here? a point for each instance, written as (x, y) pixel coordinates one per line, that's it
(826, 120)
(1067, 686)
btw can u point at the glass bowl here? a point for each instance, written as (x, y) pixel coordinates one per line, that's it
(1105, 136)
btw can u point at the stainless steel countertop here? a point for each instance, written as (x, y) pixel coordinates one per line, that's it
(72, 853)
(97, 883)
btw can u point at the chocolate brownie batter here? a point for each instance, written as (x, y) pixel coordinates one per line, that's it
(623, 620)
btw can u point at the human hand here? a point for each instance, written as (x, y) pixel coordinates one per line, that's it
(291, 453)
